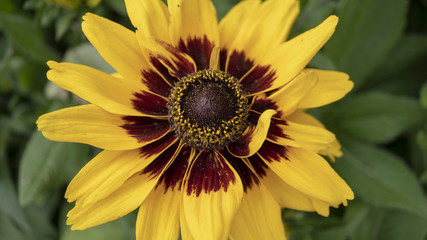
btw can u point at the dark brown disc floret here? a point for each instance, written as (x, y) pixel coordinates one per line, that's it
(208, 109)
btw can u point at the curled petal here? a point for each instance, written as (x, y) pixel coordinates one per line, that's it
(252, 140)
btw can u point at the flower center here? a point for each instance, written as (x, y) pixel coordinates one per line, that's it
(207, 109)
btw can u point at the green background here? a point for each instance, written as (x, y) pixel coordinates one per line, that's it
(382, 123)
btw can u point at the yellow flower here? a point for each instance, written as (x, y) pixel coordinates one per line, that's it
(203, 125)
(74, 4)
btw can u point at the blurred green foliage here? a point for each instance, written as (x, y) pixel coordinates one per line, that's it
(382, 123)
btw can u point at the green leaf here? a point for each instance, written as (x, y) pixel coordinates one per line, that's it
(46, 165)
(423, 95)
(386, 224)
(48, 14)
(7, 52)
(31, 76)
(6, 6)
(381, 178)
(418, 155)
(377, 117)
(22, 117)
(313, 226)
(354, 215)
(33, 4)
(8, 200)
(116, 230)
(16, 222)
(4, 138)
(422, 140)
(27, 36)
(223, 6)
(407, 82)
(8, 230)
(408, 53)
(321, 61)
(366, 32)
(63, 24)
(117, 6)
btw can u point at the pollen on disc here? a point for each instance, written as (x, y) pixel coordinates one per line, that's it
(208, 109)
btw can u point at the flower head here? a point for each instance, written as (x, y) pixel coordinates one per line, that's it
(203, 125)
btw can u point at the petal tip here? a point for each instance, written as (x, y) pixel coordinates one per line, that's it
(50, 73)
(88, 15)
(333, 19)
(51, 64)
(350, 195)
(350, 85)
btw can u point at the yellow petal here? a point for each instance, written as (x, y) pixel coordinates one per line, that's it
(321, 207)
(334, 150)
(118, 46)
(305, 136)
(311, 174)
(185, 230)
(109, 170)
(290, 58)
(151, 18)
(276, 17)
(87, 124)
(288, 97)
(252, 141)
(104, 174)
(93, 3)
(259, 217)
(121, 202)
(331, 87)
(289, 197)
(211, 197)
(158, 216)
(238, 27)
(126, 198)
(93, 86)
(261, 131)
(257, 28)
(284, 194)
(178, 63)
(193, 19)
(214, 58)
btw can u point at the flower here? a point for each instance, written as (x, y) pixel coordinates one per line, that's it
(74, 4)
(203, 125)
